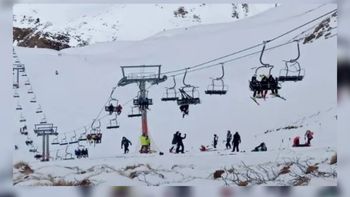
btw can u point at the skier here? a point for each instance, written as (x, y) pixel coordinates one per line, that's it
(264, 86)
(254, 85)
(215, 141)
(273, 85)
(174, 141)
(236, 141)
(185, 110)
(110, 109)
(228, 139)
(119, 109)
(78, 153)
(85, 153)
(309, 136)
(180, 145)
(125, 143)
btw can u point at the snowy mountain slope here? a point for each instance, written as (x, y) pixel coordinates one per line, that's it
(92, 23)
(87, 74)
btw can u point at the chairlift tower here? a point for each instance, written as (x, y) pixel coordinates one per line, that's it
(45, 130)
(17, 70)
(141, 75)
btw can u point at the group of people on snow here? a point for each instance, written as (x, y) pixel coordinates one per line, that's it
(260, 88)
(178, 143)
(309, 135)
(232, 142)
(235, 141)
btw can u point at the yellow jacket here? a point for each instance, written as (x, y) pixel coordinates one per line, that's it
(145, 141)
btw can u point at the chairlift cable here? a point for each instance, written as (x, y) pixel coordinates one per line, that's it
(250, 48)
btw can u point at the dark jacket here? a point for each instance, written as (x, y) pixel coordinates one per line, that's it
(236, 139)
(126, 142)
(179, 138)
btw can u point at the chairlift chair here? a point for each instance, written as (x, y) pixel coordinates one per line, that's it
(64, 141)
(171, 93)
(55, 141)
(16, 95)
(58, 157)
(214, 89)
(29, 142)
(22, 119)
(18, 107)
(23, 131)
(33, 100)
(113, 123)
(292, 70)
(111, 108)
(83, 135)
(74, 139)
(33, 149)
(38, 156)
(133, 114)
(24, 74)
(68, 155)
(256, 85)
(189, 94)
(27, 83)
(142, 102)
(39, 110)
(43, 120)
(15, 86)
(30, 90)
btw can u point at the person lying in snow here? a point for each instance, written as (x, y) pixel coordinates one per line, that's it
(296, 142)
(260, 148)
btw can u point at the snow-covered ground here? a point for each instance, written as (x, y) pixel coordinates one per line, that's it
(86, 76)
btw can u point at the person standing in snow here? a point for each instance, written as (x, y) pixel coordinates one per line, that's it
(215, 141)
(145, 143)
(125, 144)
(180, 145)
(236, 141)
(228, 139)
(309, 136)
(174, 141)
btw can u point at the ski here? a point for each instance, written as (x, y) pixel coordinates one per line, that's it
(279, 96)
(254, 99)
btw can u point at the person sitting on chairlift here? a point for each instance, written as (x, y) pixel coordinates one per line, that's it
(273, 85)
(119, 109)
(111, 109)
(264, 86)
(185, 110)
(255, 86)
